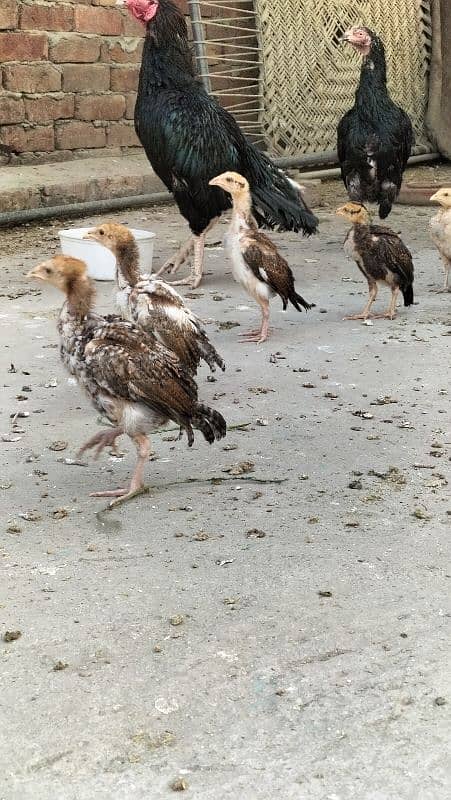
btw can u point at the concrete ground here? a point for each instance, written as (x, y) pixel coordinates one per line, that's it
(272, 620)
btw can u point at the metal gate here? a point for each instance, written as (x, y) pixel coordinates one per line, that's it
(280, 69)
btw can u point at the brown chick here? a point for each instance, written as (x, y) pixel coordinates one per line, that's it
(256, 262)
(153, 304)
(380, 255)
(440, 227)
(129, 377)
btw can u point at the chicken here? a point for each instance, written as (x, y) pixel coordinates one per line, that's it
(189, 138)
(381, 256)
(375, 137)
(129, 377)
(154, 305)
(256, 262)
(440, 227)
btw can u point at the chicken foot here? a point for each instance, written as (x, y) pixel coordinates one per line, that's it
(197, 243)
(137, 486)
(262, 334)
(102, 440)
(447, 267)
(174, 263)
(391, 310)
(365, 314)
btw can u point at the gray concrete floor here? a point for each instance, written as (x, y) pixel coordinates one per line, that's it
(267, 689)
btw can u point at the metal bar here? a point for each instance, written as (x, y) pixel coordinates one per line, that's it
(199, 42)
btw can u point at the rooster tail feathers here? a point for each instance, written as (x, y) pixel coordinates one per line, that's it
(209, 422)
(407, 293)
(277, 201)
(299, 303)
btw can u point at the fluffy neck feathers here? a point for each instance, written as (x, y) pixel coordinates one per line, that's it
(80, 294)
(127, 262)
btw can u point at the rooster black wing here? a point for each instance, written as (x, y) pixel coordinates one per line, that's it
(190, 139)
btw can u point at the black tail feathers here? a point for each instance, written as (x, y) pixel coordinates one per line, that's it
(277, 201)
(299, 303)
(407, 293)
(209, 422)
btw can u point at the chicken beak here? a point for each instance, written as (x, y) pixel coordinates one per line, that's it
(214, 182)
(35, 273)
(434, 198)
(90, 235)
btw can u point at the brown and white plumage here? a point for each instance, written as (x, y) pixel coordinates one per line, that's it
(256, 262)
(440, 227)
(381, 256)
(153, 304)
(128, 375)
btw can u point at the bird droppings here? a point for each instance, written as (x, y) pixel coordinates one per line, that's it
(255, 533)
(31, 516)
(241, 468)
(11, 636)
(59, 666)
(58, 446)
(421, 513)
(177, 619)
(324, 593)
(440, 701)
(355, 485)
(179, 785)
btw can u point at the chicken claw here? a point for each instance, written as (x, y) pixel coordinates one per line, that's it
(102, 440)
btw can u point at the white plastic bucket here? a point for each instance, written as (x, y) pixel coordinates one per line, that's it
(101, 262)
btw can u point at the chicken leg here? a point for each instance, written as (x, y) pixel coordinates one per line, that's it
(391, 311)
(366, 311)
(261, 335)
(137, 486)
(173, 264)
(197, 243)
(447, 269)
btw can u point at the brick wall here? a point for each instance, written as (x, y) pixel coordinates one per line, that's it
(68, 78)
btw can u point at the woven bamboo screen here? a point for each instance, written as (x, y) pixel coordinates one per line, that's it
(308, 78)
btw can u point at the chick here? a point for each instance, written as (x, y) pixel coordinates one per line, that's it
(153, 304)
(129, 377)
(440, 227)
(381, 256)
(256, 262)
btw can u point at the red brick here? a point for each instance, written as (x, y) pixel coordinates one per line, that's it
(46, 109)
(130, 102)
(11, 110)
(121, 134)
(103, 106)
(105, 21)
(8, 14)
(76, 135)
(47, 18)
(123, 52)
(132, 27)
(23, 46)
(74, 49)
(19, 139)
(124, 79)
(82, 78)
(32, 78)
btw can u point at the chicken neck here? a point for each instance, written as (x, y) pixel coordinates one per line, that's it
(80, 294)
(127, 264)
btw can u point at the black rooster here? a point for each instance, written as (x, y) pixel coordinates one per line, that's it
(375, 137)
(189, 139)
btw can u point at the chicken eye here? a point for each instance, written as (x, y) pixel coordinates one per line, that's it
(101, 232)
(48, 271)
(228, 180)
